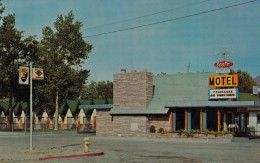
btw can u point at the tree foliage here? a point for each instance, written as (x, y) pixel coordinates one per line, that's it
(2, 8)
(13, 49)
(246, 81)
(98, 90)
(62, 52)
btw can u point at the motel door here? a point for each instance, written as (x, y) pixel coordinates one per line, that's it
(241, 120)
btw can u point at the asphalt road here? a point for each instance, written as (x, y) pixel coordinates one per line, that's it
(15, 148)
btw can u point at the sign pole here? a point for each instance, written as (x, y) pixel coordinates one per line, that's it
(31, 108)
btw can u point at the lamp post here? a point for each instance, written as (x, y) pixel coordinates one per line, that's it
(31, 108)
(24, 72)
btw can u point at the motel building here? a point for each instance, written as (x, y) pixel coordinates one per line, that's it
(190, 101)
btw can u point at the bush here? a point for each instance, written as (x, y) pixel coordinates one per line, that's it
(161, 130)
(205, 131)
(179, 132)
(188, 133)
(223, 132)
(152, 129)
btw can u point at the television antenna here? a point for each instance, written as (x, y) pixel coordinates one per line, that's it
(225, 53)
(188, 68)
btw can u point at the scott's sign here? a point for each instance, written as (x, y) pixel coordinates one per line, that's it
(223, 64)
(223, 81)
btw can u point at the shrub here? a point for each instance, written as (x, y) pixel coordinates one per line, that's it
(223, 132)
(188, 133)
(205, 131)
(161, 130)
(179, 132)
(152, 129)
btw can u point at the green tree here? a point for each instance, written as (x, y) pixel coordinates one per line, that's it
(63, 51)
(11, 46)
(90, 91)
(98, 90)
(246, 82)
(2, 8)
(105, 90)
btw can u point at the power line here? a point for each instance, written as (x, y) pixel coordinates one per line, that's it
(147, 15)
(173, 19)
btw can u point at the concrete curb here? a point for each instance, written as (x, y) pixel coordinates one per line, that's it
(94, 153)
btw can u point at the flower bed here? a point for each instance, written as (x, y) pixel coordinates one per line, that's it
(194, 134)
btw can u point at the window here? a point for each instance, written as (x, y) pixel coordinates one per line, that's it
(258, 118)
(70, 120)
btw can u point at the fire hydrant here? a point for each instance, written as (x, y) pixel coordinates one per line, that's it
(87, 143)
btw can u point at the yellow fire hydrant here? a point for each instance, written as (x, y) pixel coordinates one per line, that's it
(87, 143)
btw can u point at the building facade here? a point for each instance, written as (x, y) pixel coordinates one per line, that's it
(170, 102)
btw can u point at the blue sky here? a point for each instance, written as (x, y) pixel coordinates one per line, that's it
(164, 47)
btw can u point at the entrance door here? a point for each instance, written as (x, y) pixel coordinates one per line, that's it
(180, 119)
(212, 119)
(243, 122)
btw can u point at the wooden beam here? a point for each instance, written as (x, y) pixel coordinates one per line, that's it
(201, 119)
(186, 119)
(219, 119)
(171, 120)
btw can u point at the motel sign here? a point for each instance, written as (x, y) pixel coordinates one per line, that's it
(223, 81)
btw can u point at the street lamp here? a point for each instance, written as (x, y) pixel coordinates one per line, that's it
(23, 79)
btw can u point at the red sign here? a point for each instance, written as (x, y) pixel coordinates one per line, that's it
(223, 64)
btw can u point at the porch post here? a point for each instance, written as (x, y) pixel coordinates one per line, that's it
(186, 119)
(201, 119)
(204, 119)
(225, 121)
(171, 120)
(189, 119)
(219, 119)
(174, 121)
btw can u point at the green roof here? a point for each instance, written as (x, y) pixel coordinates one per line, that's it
(98, 106)
(180, 90)
(137, 111)
(190, 86)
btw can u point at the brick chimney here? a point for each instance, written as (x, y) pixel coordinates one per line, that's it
(133, 90)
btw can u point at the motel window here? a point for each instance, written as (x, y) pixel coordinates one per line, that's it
(2, 120)
(70, 120)
(258, 118)
(85, 120)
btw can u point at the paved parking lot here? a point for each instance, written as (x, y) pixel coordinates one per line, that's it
(15, 148)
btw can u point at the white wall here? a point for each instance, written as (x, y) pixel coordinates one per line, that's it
(253, 121)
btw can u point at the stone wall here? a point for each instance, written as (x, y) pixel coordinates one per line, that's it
(160, 121)
(104, 125)
(120, 125)
(132, 90)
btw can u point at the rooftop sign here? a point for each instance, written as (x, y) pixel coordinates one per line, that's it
(223, 64)
(223, 71)
(223, 81)
(223, 93)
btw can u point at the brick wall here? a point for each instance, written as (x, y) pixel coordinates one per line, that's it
(104, 125)
(132, 90)
(160, 121)
(121, 125)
